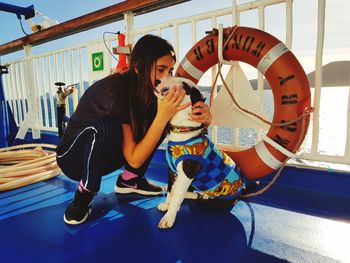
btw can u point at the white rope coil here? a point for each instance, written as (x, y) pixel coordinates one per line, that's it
(26, 164)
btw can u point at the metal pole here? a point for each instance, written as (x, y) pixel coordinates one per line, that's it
(3, 112)
(27, 12)
(318, 74)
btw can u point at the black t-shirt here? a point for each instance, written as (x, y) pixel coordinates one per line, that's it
(106, 96)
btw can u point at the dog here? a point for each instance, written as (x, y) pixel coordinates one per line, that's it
(193, 159)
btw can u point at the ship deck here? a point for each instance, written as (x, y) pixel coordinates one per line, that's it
(304, 217)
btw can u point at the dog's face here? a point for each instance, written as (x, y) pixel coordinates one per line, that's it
(193, 95)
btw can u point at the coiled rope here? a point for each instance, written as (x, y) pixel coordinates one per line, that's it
(26, 164)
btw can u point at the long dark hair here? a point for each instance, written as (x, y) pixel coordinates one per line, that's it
(142, 101)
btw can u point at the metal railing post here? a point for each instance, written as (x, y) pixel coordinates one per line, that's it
(32, 118)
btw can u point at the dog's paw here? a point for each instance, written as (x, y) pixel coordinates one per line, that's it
(203, 196)
(163, 207)
(192, 195)
(167, 221)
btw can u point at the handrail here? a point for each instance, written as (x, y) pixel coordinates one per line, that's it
(95, 19)
(57, 59)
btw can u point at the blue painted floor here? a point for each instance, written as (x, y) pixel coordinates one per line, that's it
(295, 221)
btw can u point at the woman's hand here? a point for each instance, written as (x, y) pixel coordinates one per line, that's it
(136, 153)
(170, 105)
(201, 113)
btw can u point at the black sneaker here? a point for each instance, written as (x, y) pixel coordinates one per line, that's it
(79, 209)
(138, 185)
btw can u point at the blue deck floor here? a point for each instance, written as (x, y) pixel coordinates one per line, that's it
(304, 217)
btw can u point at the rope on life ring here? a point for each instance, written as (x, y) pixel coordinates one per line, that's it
(288, 81)
(26, 164)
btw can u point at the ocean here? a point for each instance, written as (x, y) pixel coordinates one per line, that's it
(332, 123)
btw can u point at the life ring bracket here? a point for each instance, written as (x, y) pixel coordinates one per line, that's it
(278, 147)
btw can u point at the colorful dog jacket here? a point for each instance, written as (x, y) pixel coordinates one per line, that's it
(219, 176)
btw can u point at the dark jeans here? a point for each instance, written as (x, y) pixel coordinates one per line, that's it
(96, 151)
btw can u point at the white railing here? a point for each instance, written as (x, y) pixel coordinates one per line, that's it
(69, 66)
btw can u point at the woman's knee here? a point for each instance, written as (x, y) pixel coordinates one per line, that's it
(70, 168)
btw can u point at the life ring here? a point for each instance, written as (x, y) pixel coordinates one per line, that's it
(288, 81)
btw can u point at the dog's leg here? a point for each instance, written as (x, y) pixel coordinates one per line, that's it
(171, 179)
(187, 169)
(188, 195)
(177, 195)
(191, 168)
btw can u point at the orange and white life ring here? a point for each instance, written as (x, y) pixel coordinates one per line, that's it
(290, 88)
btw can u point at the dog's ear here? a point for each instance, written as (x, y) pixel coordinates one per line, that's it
(187, 88)
(196, 95)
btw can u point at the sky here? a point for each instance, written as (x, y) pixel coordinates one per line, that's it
(336, 45)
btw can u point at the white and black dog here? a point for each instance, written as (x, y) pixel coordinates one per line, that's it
(193, 159)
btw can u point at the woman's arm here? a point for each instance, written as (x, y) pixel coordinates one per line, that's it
(137, 153)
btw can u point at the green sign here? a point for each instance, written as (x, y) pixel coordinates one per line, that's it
(97, 61)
